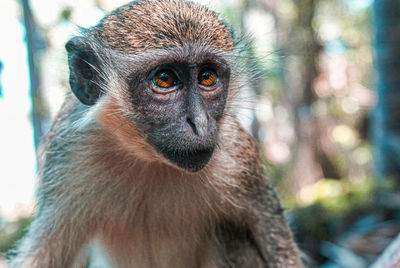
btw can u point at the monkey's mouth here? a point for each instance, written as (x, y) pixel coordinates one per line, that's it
(191, 160)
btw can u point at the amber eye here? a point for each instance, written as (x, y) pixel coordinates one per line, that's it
(207, 77)
(165, 80)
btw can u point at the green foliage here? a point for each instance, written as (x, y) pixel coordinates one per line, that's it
(335, 201)
(337, 197)
(11, 232)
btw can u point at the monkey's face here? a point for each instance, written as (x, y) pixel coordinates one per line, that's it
(176, 97)
(179, 103)
(168, 56)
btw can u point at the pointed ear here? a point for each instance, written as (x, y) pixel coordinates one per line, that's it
(83, 77)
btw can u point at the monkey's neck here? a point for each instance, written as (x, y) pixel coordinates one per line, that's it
(152, 210)
(124, 175)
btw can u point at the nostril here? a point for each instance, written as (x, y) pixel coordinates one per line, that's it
(191, 124)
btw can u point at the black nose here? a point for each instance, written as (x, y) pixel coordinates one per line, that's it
(196, 113)
(192, 125)
(198, 123)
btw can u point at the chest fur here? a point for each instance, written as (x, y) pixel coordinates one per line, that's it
(168, 220)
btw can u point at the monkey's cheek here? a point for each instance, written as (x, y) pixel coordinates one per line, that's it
(189, 160)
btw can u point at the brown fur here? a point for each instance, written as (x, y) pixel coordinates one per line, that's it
(154, 24)
(125, 188)
(130, 138)
(102, 181)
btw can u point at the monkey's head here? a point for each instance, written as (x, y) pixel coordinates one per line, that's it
(158, 74)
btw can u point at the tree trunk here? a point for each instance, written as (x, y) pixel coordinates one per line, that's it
(386, 117)
(39, 111)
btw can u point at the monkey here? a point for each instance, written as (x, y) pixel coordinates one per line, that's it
(146, 159)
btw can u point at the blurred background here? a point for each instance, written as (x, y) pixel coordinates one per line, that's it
(326, 111)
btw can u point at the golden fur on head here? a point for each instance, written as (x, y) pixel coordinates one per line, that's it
(151, 24)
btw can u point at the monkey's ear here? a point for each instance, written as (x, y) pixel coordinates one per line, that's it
(83, 76)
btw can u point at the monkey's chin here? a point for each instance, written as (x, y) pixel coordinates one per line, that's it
(189, 160)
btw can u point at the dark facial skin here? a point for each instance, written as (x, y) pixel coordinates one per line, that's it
(182, 120)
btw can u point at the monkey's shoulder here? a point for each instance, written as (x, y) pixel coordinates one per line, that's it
(70, 112)
(245, 152)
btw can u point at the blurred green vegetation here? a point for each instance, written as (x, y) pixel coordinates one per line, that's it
(11, 232)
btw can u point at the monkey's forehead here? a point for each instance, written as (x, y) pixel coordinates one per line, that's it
(151, 24)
